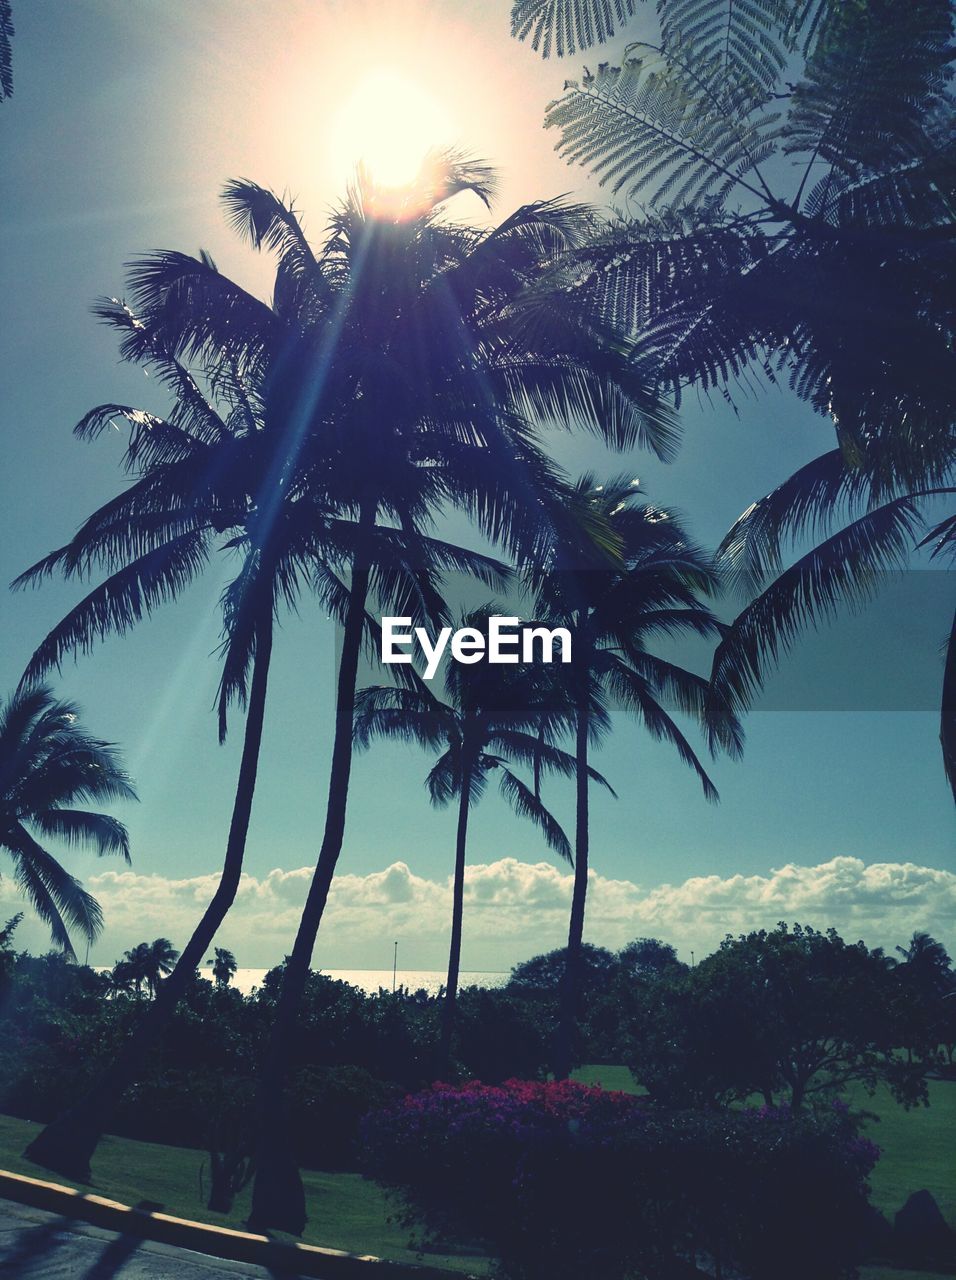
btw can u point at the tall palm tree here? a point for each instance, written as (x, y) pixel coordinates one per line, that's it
(640, 579)
(220, 471)
(444, 354)
(841, 279)
(399, 368)
(49, 765)
(495, 716)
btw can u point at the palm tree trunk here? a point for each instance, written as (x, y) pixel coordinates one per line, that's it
(68, 1143)
(278, 1197)
(457, 914)
(947, 719)
(567, 1017)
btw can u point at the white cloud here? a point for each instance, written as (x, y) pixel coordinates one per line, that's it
(515, 909)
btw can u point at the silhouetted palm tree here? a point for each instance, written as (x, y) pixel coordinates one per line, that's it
(443, 352)
(495, 716)
(224, 967)
(147, 962)
(631, 576)
(48, 766)
(233, 464)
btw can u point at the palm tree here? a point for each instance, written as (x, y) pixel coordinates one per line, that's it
(396, 370)
(495, 716)
(632, 575)
(841, 280)
(48, 765)
(220, 470)
(443, 353)
(224, 967)
(147, 962)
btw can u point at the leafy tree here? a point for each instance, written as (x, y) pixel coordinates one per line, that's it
(224, 967)
(840, 278)
(48, 765)
(630, 576)
(7, 953)
(648, 958)
(786, 1013)
(542, 975)
(495, 717)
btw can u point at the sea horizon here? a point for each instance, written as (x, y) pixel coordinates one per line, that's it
(372, 980)
(247, 978)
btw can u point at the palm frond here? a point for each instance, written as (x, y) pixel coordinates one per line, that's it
(635, 693)
(843, 570)
(6, 53)
(639, 128)
(122, 600)
(812, 501)
(563, 27)
(405, 715)
(106, 834)
(57, 897)
(526, 805)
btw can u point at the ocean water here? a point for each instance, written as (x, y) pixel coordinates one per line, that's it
(370, 980)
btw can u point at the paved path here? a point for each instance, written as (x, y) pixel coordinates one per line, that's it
(35, 1245)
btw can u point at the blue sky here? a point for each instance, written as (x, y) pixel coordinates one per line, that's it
(125, 123)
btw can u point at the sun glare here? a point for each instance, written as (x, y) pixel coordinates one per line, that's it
(389, 123)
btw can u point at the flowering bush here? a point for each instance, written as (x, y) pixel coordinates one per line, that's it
(562, 1180)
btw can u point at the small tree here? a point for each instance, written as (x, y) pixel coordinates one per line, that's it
(223, 967)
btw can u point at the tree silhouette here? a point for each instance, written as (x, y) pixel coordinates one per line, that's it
(630, 575)
(48, 766)
(221, 472)
(422, 356)
(224, 967)
(841, 281)
(496, 716)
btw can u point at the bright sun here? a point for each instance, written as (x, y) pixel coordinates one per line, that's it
(389, 123)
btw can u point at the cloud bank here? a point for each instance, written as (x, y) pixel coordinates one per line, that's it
(515, 909)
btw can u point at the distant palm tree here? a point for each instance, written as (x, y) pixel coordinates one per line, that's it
(147, 962)
(48, 765)
(927, 961)
(224, 967)
(495, 716)
(630, 576)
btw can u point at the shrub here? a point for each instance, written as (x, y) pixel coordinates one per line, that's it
(562, 1180)
(327, 1106)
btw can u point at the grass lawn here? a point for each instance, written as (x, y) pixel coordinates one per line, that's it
(345, 1211)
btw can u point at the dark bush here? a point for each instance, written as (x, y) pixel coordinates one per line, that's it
(327, 1106)
(564, 1181)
